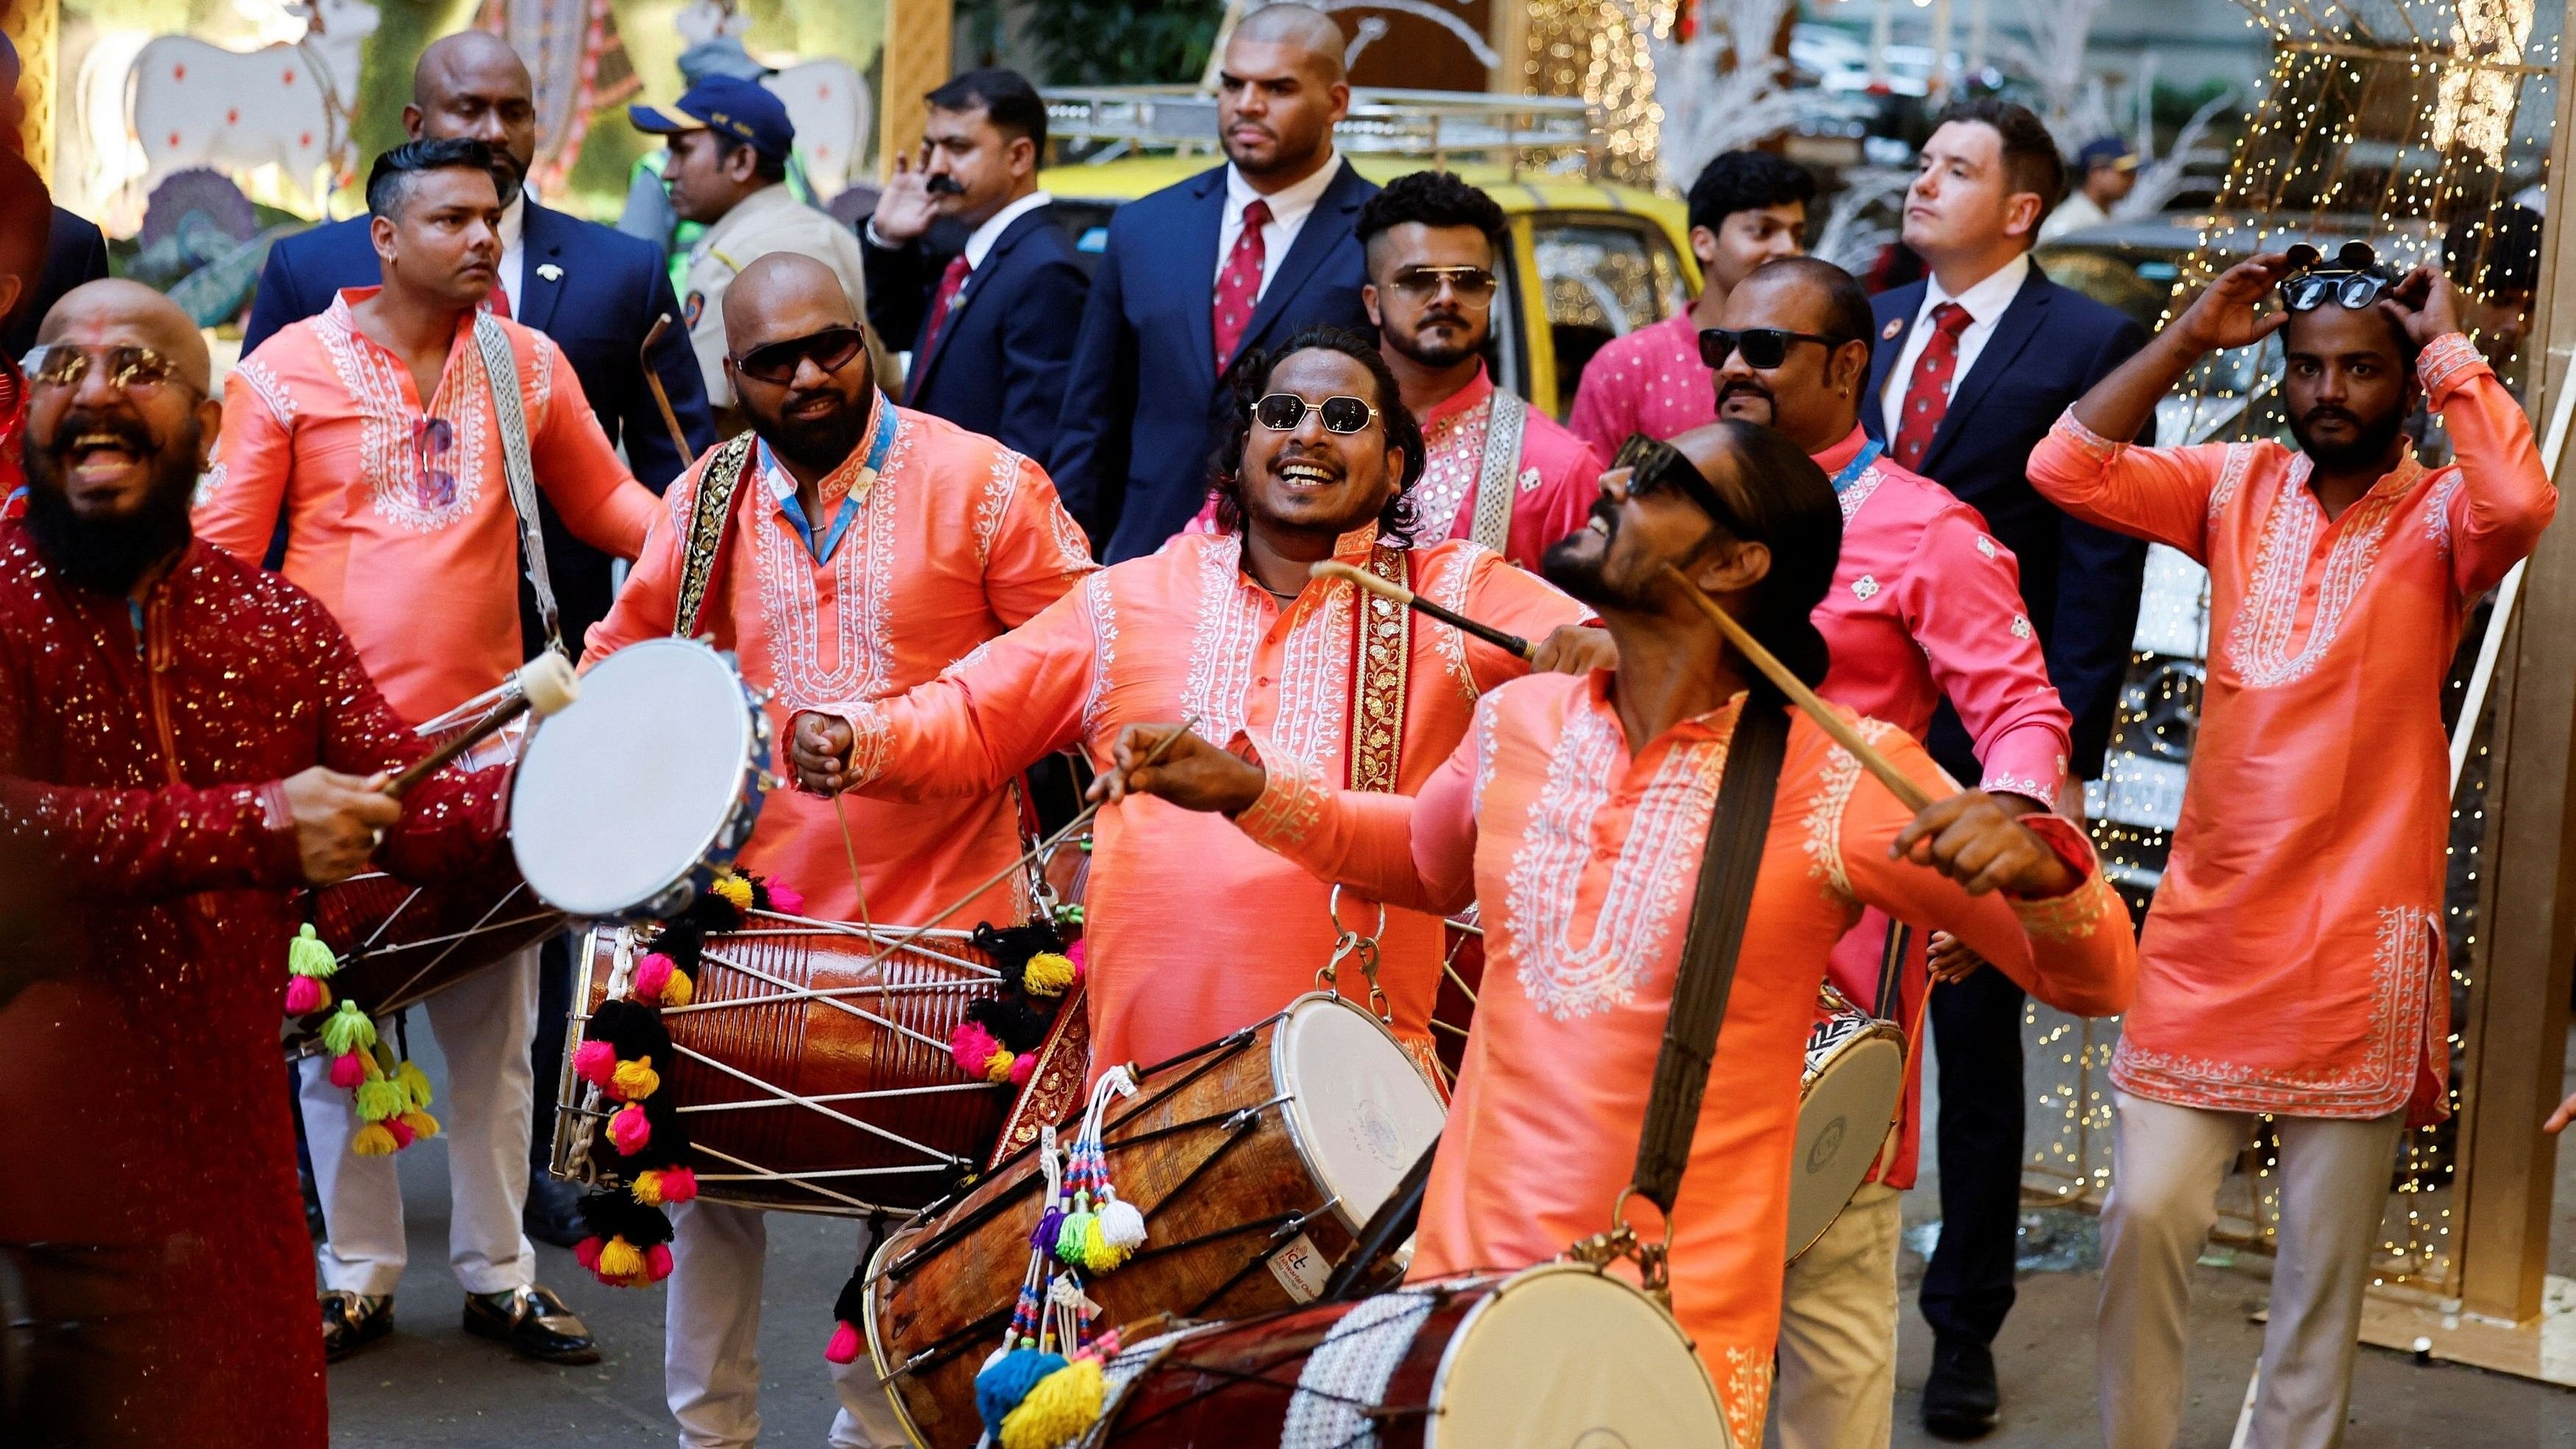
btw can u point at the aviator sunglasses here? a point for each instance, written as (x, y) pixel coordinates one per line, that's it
(129, 369)
(1472, 286)
(830, 349)
(2353, 280)
(1764, 348)
(1281, 412)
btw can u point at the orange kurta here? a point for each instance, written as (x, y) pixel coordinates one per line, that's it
(956, 540)
(2294, 955)
(398, 515)
(1586, 860)
(1193, 931)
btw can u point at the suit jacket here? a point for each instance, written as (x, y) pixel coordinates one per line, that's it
(1144, 403)
(607, 290)
(75, 252)
(1000, 365)
(2081, 582)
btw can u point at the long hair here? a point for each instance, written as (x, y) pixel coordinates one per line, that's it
(1250, 376)
(1780, 498)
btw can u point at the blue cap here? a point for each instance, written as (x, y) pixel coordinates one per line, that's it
(728, 105)
(2106, 151)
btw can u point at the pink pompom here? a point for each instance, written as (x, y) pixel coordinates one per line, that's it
(652, 974)
(844, 1347)
(586, 1253)
(594, 1062)
(303, 994)
(402, 1135)
(1021, 1066)
(347, 1070)
(786, 899)
(657, 1262)
(628, 1130)
(1073, 953)
(679, 1184)
(973, 1046)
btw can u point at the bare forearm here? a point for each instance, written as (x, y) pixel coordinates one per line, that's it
(2122, 404)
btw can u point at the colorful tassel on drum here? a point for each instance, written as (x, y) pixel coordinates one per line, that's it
(308, 964)
(306, 995)
(847, 1309)
(1005, 1381)
(980, 1054)
(628, 1246)
(659, 981)
(348, 1030)
(1049, 974)
(629, 1130)
(785, 899)
(1057, 1409)
(733, 890)
(662, 1186)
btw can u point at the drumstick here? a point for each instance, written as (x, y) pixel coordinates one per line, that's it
(546, 685)
(661, 399)
(1898, 784)
(1387, 589)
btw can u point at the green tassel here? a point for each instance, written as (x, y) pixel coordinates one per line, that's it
(307, 956)
(415, 1085)
(378, 1100)
(348, 1030)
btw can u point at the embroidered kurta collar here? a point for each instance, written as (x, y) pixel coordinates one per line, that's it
(1350, 548)
(2409, 471)
(844, 490)
(342, 314)
(1461, 402)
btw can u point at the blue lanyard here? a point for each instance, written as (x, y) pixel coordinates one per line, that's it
(1852, 470)
(880, 443)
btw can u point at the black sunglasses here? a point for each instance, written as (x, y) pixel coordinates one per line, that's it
(1654, 467)
(1763, 347)
(2353, 281)
(1282, 411)
(830, 349)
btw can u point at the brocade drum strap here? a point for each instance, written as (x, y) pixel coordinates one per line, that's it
(709, 515)
(1381, 651)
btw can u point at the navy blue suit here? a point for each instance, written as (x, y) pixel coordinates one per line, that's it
(1001, 358)
(608, 289)
(1143, 407)
(75, 252)
(2081, 584)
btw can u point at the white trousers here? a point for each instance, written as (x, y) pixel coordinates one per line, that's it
(711, 1337)
(2167, 1167)
(1837, 1383)
(484, 1024)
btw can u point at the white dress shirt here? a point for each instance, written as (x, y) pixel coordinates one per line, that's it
(1985, 302)
(979, 244)
(514, 254)
(1288, 212)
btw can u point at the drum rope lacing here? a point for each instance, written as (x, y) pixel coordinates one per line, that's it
(1345, 1393)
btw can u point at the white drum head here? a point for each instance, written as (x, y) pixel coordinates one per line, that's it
(1841, 1123)
(625, 793)
(1562, 1357)
(1361, 1112)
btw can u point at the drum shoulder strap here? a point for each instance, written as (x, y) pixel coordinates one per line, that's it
(1381, 657)
(1727, 869)
(509, 414)
(710, 511)
(1505, 421)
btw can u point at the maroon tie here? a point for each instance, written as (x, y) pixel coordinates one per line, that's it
(940, 301)
(1238, 287)
(1927, 393)
(497, 301)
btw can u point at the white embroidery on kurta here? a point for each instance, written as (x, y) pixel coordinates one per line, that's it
(1825, 812)
(2259, 642)
(2231, 475)
(1865, 588)
(1224, 641)
(410, 485)
(2021, 626)
(1985, 545)
(1851, 498)
(1314, 686)
(1069, 541)
(2444, 358)
(541, 389)
(265, 386)
(1292, 799)
(995, 500)
(1447, 587)
(2437, 510)
(862, 571)
(1484, 737)
(1098, 599)
(1746, 1392)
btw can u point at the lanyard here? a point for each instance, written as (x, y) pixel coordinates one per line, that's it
(1852, 470)
(880, 443)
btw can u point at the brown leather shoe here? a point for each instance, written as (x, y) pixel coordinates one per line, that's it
(533, 1322)
(351, 1321)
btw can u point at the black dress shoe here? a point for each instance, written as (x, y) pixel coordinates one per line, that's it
(1960, 1399)
(533, 1322)
(552, 1213)
(350, 1321)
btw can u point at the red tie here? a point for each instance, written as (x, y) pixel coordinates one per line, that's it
(950, 281)
(497, 301)
(1927, 393)
(1238, 287)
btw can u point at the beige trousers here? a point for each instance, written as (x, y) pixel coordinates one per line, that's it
(1837, 1382)
(2166, 1170)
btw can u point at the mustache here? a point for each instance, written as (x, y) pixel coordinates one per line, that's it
(1747, 387)
(128, 431)
(2314, 416)
(943, 185)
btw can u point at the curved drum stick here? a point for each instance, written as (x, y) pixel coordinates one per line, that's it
(545, 684)
(661, 399)
(1386, 589)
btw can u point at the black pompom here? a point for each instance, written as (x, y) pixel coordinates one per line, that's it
(616, 1214)
(1012, 946)
(1013, 1019)
(852, 1304)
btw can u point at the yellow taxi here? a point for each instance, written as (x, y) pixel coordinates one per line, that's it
(1585, 260)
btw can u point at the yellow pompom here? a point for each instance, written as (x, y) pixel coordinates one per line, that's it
(421, 1123)
(1062, 1406)
(678, 991)
(415, 1083)
(647, 1187)
(620, 1259)
(735, 890)
(1048, 974)
(997, 1067)
(373, 1141)
(634, 1081)
(1098, 1253)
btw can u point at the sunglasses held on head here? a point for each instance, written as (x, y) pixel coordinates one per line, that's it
(129, 369)
(1281, 412)
(1645, 467)
(1764, 348)
(2354, 280)
(831, 349)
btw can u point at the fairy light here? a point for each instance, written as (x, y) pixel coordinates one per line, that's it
(1602, 51)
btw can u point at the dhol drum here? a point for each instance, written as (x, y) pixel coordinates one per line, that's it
(1256, 1160)
(1561, 1356)
(1847, 1100)
(1462, 976)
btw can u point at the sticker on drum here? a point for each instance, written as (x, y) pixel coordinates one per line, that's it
(1508, 1378)
(652, 776)
(1358, 1106)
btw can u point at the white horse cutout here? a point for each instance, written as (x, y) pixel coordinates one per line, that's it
(190, 102)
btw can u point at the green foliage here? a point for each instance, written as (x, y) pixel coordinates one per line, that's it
(1124, 42)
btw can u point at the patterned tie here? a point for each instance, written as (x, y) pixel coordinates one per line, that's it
(1927, 393)
(950, 281)
(1238, 287)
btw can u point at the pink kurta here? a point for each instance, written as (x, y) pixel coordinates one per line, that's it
(2294, 958)
(1926, 605)
(957, 540)
(1650, 381)
(1192, 930)
(412, 546)
(1586, 859)
(1554, 484)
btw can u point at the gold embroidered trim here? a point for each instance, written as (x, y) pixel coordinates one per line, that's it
(703, 544)
(1382, 650)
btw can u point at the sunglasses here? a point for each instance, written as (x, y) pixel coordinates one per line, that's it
(433, 484)
(1472, 286)
(1763, 347)
(129, 369)
(1281, 412)
(1651, 467)
(2354, 281)
(830, 349)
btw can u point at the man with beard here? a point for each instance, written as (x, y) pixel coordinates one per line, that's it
(1229, 629)
(1925, 606)
(1269, 235)
(2294, 961)
(388, 429)
(1575, 812)
(183, 741)
(844, 548)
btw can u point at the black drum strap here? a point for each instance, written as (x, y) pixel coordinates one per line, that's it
(1727, 869)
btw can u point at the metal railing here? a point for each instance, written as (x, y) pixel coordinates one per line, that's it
(1443, 127)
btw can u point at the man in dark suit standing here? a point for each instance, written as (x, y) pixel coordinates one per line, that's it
(991, 323)
(1200, 273)
(1973, 364)
(75, 253)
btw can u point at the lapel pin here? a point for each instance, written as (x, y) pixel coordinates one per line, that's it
(1888, 332)
(550, 272)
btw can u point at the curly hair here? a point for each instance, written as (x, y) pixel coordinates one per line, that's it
(1747, 181)
(1250, 377)
(1433, 198)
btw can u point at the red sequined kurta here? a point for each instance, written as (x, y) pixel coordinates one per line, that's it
(146, 1117)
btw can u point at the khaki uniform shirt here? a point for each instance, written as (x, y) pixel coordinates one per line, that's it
(768, 220)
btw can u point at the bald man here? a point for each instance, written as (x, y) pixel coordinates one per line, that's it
(185, 741)
(858, 549)
(1195, 275)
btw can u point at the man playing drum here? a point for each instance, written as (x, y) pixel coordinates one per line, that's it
(1925, 606)
(1577, 809)
(183, 741)
(384, 432)
(845, 548)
